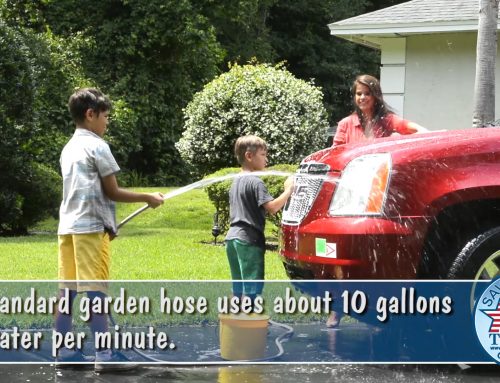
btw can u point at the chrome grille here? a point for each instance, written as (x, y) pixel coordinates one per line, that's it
(308, 182)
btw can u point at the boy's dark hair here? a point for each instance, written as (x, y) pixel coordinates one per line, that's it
(85, 99)
(248, 144)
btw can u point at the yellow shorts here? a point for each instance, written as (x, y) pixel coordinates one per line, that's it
(84, 257)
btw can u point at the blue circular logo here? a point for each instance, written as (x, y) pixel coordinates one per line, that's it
(487, 320)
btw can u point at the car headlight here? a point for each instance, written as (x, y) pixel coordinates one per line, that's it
(363, 185)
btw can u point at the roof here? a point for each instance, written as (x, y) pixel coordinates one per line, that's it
(412, 17)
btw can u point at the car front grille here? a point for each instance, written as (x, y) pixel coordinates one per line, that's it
(308, 182)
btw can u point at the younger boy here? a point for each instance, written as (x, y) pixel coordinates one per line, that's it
(87, 217)
(249, 201)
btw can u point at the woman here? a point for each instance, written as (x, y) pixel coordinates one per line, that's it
(372, 117)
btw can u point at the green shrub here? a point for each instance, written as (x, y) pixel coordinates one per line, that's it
(253, 99)
(41, 193)
(56, 71)
(33, 194)
(154, 55)
(131, 178)
(218, 193)
(29, 129)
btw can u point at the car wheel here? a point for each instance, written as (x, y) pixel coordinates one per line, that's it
(479, 259)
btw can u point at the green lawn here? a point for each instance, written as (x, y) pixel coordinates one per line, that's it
(162, 244)
(173, 242)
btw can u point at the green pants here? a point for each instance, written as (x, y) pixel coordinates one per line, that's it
(246, 262)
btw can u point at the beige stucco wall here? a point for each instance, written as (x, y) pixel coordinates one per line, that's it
(393, 72)
(439, 80)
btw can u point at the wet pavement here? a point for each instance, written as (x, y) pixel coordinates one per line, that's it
(313, 354)
(353, 342)
(343, 373)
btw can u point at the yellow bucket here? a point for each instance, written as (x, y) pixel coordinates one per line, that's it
(247, 374)
(243, 337)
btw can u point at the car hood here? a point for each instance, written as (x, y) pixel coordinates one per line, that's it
(405, 148)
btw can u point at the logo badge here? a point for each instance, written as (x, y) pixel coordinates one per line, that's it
(487, 320)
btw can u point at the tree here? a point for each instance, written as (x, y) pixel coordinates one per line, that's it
(29, 191)
(484, 88)
(154, 55)
(151, 57)
(296, 32)
(375, 5)
(300, 36)
(253, 99)
(242, 29)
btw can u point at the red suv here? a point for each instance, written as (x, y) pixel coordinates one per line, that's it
(419, 206)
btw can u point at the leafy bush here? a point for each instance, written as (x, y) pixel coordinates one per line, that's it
(28, 191)
(218, 193)
(16, 79)
(41, 194)
(38, 72)
(31, 195)
(131, 178)
(123, 135)
(253, 99)
(154, 55)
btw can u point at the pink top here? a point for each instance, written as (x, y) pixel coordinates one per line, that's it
(350, 130)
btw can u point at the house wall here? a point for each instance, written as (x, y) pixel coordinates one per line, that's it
(439, 80)
(393, 72)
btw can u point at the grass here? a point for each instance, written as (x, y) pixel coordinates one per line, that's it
(168, 243)
(172, 242)
(32, 309)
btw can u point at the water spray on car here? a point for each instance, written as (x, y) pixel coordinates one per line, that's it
(201, 184)
(234, 330)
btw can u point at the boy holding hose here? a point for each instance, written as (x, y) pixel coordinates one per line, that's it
(87, 218)
(249, 201)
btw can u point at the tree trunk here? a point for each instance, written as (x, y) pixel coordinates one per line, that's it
(484, 89)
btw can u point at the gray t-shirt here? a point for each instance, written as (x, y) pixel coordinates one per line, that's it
(247, 215)
(85, 208)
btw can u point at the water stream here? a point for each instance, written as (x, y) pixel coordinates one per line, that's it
(206, 182)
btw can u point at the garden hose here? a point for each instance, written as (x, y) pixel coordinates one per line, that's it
(203, 183)
(199, 184)
(278, 341)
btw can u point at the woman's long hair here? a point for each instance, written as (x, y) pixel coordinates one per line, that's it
(381, 109)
